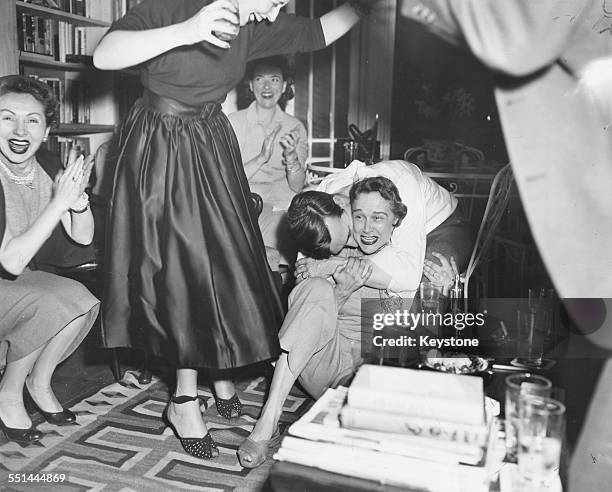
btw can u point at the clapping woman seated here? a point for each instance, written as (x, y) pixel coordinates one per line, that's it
(43, 317)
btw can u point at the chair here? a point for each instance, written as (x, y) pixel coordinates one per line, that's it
(444, 153)
(497, 203)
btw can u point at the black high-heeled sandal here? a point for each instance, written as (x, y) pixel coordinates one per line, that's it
(23, 436)
(200, 447)
(229, 408)
(65, 417)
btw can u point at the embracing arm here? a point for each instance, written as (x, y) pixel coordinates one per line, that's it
(307, 267)
(125, 48)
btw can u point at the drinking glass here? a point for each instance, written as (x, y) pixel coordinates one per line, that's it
(430, 297)
(235, 27)
(531, 334)
(543, 299)
(540, 434)
(517, 385)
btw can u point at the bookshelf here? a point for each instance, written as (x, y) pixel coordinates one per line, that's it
(60, 15)
(53, 40)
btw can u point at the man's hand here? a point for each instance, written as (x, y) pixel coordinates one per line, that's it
(351, 277)
(307, 267)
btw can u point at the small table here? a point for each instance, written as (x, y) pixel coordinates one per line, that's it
(575, 378)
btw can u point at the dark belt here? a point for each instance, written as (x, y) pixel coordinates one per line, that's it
(167, 105)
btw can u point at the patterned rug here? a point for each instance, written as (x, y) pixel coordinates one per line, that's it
(122, 444)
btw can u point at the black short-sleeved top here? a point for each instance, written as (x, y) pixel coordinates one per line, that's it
(202, 72)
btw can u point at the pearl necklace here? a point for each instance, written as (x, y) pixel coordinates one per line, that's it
(20, 180)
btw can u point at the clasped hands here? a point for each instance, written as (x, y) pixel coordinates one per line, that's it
(349, 273)
(288, 142)
(70, 183)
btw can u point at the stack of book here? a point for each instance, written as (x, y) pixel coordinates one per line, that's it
(420, 429)
(58, 40)
(78, 7)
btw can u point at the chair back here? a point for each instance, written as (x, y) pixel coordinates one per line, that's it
(497, 203)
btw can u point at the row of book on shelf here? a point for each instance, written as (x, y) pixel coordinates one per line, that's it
(73, 97)
(86, 8)
(408, 428)
(61, 40)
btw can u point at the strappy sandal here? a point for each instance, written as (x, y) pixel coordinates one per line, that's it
(251, 453)
(229, 408)
(200, 447)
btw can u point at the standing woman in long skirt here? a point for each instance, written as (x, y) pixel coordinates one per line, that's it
(186, 273)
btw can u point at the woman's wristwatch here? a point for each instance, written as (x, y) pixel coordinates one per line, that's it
(81, 206)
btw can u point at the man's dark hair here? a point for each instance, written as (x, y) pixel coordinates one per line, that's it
(387, 190)
(20, 84)
(306, 216)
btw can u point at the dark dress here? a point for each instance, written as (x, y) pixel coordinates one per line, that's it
(186, 271)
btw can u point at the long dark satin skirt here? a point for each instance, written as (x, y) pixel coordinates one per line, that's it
(186, 273)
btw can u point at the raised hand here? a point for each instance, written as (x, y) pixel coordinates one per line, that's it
(289, 142)
(67, 186)
(214, 23)
(268, 144)
(442, 274)
(88, 163)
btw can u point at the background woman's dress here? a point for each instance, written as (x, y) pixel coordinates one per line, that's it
(186, 274)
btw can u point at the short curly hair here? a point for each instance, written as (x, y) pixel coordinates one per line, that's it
(306, 218)
(20, 84)
(387, 189)
(245, 94)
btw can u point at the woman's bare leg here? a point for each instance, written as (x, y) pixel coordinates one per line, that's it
(224, 388)
(39, 380)
(12, 409)
(310, 322)
(282, 382)
(187, 417)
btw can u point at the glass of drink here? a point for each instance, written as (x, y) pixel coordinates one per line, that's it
(541, 431)
(520, 385)
(430, 297)
(531, 333)
(430, 308)
(233, 28)
(543, 300)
